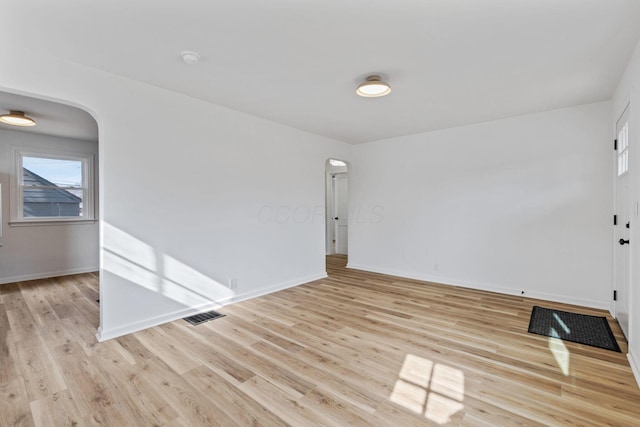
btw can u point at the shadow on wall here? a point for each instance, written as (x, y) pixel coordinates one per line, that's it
(139, 263)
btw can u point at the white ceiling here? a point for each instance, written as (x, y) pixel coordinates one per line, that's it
(51, 118)
(449, 62)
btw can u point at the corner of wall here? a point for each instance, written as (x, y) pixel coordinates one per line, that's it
(104, 335)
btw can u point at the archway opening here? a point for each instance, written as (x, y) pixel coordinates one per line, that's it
(49, 198)
(337, 207)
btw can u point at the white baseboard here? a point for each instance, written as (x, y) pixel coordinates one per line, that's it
(635, 366)
(104, 335)
(48, 275)
(484, 287)
(272, 289)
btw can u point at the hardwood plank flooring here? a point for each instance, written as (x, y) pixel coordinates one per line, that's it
(355, 348)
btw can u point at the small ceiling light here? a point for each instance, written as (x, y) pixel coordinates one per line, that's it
(373, 87)
(334, 162)
(17, 118)
(190, 57)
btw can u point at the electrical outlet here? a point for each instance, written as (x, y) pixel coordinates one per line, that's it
(233, 283)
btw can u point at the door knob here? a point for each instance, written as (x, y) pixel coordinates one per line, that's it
(622, 241)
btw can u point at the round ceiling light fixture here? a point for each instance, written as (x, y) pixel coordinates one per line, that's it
(190, 57)
(17, 118)
(373, 87)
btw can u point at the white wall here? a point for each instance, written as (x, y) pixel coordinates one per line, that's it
(516, 205)
(192, 194)
(42, 251)
(628, 91)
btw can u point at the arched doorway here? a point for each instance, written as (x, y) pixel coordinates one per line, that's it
(337, 207)
(49, 200)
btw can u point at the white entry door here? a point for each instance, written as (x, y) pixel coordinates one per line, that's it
(341, 212)
(623, 224)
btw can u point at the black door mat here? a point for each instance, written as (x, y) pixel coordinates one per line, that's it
(203, 317)
(581, 328)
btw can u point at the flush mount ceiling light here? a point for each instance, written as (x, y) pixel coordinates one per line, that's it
(373, 87)
(17, 118)
(190, 57)
(334, 162)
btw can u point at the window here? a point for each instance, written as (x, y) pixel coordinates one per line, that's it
(623, 149)
(52, 187)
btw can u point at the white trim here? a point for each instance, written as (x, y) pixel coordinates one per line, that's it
(88, 188)
(103, 335)
(275, 288)
(40, 222)
(484, 287)
(624, 110)
(635, 366)
(48, 275)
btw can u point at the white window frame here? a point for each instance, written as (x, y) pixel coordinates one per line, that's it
(16, 196)
(623, 149)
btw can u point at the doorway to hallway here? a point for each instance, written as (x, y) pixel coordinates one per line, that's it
(337, 207)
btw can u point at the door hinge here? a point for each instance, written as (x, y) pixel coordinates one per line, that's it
(628, 224)
(615, 145)
(615, 295)
(615, 220)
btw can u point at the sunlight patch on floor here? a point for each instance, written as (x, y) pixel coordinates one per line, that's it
(560, 352)
(431, 389)
(561, 323)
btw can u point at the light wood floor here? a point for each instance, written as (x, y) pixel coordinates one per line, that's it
(354, 349)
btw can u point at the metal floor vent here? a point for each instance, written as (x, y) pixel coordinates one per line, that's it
(203, 317)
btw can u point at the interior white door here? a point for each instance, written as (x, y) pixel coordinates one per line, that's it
(623, 224)
(341, 210)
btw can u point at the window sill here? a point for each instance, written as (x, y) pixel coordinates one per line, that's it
(44, 222)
